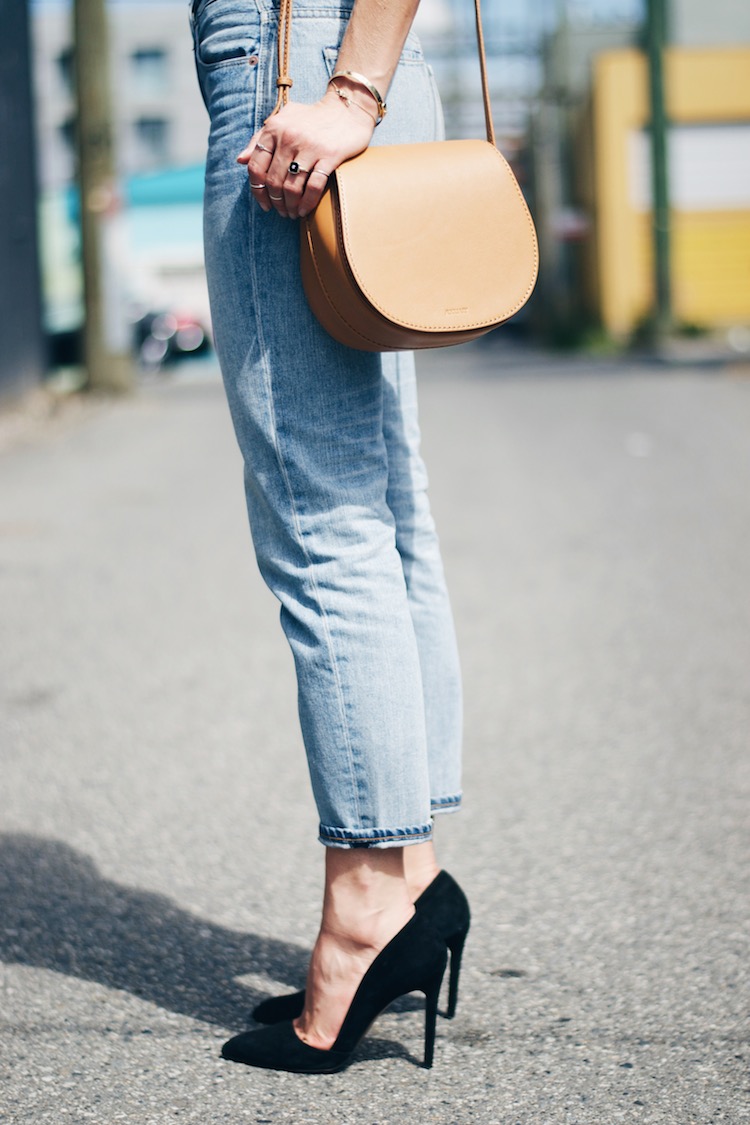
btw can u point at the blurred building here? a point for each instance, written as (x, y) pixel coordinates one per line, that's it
(160, 127)
(593, 172)
(708, 145)
(159, 117)
(565, 213)
(514, 33)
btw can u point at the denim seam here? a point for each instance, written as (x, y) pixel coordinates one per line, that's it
(235, 60)
(409, 57)
(446, 804)
(270, 8)
(374, 835)
(300, 538)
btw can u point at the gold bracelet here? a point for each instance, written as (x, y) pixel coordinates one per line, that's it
(349, 101)
(360, 80)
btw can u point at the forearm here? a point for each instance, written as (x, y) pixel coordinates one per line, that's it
(375, 37)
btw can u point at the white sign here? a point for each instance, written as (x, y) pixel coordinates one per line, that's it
(708, 168)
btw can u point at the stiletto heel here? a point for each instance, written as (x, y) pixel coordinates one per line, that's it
(445, 907)
(456, 945)
(414, 961)
(431, 997)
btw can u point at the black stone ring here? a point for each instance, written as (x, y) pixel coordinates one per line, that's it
(294, 168)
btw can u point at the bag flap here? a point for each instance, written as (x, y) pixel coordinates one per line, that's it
(437, 235)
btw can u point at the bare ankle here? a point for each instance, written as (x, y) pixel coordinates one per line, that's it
(366, 895)
(421, 867)
(366, 921)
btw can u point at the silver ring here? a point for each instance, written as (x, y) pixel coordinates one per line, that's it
(321, 173)
(263, 148)
(275, 196)
(258, 187)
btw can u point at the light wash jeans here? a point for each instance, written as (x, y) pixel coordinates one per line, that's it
(336, 488)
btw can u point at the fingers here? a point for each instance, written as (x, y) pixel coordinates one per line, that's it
(292, 188)
(286, 182)
(293, 177)
(247, 151)
(302, 186)
(258, 158)
(316, 184)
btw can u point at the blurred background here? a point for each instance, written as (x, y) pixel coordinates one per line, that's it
(627, 123)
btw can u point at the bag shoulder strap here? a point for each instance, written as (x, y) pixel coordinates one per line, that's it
(284, 82)
(483, 70)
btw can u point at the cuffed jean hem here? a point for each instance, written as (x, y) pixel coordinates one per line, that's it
(446, 804)
(374, 837)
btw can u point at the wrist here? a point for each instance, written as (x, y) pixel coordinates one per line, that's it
(365, 86)
(351, 99)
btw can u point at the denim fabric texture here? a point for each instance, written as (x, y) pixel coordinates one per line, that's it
(335, 485)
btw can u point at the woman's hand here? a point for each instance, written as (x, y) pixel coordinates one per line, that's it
(314, 139)
(290, 159)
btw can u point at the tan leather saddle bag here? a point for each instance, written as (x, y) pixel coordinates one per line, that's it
(399, 254)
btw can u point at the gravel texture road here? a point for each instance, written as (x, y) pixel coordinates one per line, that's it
(158, 866)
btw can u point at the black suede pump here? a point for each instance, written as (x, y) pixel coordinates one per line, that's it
(445, 907)
(414, 961)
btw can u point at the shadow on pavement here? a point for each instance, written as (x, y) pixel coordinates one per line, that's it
(57, 912)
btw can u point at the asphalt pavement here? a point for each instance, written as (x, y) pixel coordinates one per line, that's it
(159, 871)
